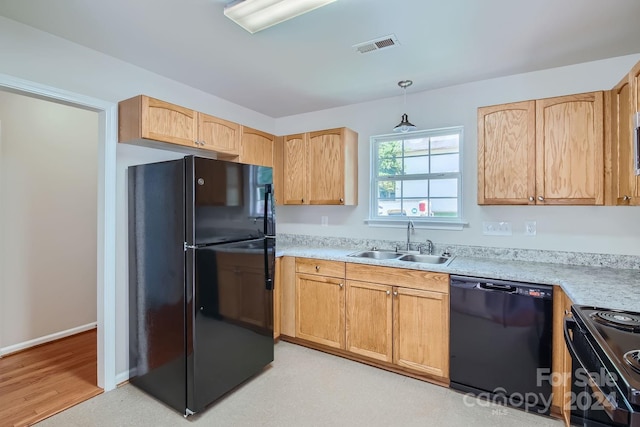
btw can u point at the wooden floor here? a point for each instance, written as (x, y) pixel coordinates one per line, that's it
(44, 380)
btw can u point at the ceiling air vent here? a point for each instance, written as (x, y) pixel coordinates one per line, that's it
(377, 44)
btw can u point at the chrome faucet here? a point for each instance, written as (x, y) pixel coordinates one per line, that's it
(410, 228)
(429, 247)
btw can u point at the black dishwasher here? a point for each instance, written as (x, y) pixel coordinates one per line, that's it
(500, 338)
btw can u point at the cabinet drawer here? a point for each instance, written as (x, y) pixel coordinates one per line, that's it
(320, 266)
(416, 279)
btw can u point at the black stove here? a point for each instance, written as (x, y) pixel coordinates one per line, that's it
(605, 343)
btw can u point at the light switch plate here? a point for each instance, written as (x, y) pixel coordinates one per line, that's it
(529, 228)
(496, 228)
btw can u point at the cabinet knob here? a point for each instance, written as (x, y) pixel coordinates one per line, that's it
(302, 200)
(341, 285)
(395, 293)
(388, 292)
(541, 198)
(626, 198)
(531, 199)
(341, 200)
(317, 268)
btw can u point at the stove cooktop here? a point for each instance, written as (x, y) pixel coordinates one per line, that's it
(617, 334)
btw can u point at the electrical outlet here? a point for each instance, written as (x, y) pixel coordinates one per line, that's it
(496, 228)
(529, 228)
(324, 220)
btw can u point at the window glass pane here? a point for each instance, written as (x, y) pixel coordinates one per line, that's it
(398, 162)
(390, 158)
(418, 188)
(387, 190)
(391, 208)
(444, 207)
(416, 147)
(414, 165)
(445, 144)
(444, 188)
(445, 163)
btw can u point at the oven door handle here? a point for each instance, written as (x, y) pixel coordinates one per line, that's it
(615, 412)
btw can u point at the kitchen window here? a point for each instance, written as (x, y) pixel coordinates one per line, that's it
(417, 176)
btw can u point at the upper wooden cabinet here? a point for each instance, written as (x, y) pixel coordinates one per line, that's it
(221, 136)
(256, 147)
(143, 118)
(294, 169)
(624, 184)
(506, 153)
(320, 168)
(559, 161)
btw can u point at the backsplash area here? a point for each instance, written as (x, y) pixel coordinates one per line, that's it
(511, 254)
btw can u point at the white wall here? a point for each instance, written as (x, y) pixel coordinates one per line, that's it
(580, 229)
(48, 163)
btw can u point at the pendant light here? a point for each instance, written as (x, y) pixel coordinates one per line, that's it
(405, 125)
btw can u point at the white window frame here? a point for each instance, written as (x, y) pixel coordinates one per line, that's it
(448, 223)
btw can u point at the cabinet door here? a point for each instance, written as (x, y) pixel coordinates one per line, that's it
(294, 158)
(325, 160)
(256, 147)
(561, 360)
(623, 176)
(277, 298)
(162, 121)
(320, 310)
(421, 331)
(569, 150)
(221, 136)
(506, 154)
(369, 320)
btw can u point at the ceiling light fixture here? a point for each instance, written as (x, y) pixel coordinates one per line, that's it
(256, 15)
(405, 125)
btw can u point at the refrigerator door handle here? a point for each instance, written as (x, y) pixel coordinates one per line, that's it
(267, 196)
(267, 269)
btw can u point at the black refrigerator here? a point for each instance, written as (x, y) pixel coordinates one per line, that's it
(201, 270)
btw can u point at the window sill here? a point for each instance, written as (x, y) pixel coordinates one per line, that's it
(456, 224)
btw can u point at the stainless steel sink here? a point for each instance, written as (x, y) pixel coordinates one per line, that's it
(376, 254)
(428, 259)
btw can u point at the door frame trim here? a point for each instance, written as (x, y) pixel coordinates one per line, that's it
(106, 220)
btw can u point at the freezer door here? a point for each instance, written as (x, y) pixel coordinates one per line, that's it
(226, 201)
(232, 336)
(156, 281)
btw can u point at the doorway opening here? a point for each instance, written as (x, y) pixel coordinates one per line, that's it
(106, 229)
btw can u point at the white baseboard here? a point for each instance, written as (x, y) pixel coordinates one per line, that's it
(42, 340)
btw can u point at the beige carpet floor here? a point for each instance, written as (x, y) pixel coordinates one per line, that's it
(304, 387)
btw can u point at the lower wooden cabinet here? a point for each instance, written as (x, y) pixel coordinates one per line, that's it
(421, 331)
(320, 309)
(561, 361)
(320, 302)
(403, 326)
(369, 320)
(395, 316)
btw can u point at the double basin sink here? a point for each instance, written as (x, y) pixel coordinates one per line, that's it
(400, 256)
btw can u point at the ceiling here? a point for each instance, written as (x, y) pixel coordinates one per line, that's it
(308, 63)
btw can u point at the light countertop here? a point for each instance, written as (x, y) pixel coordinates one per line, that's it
(596, 286)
